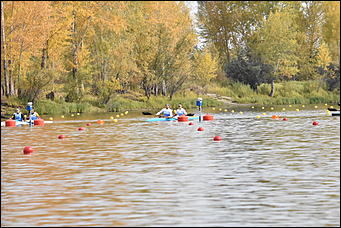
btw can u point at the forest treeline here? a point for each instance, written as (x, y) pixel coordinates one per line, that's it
(101, 48)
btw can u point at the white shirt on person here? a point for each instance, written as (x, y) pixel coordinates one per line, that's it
(165, 112)
(181, 111)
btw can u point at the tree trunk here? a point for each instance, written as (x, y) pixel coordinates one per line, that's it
(164, 88)
(19, 67)
(4, 52)
(10, 62)
(11, 81)
(74, 48)
(272, 92)
(44, 56)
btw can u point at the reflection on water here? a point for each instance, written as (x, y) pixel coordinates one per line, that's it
(134, 173)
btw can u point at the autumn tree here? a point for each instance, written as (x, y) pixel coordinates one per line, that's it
(275, 43)
(204, 67)
(331, 28)
(229, 24)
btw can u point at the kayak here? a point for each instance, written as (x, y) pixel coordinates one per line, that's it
(23, 123)
(171, 119)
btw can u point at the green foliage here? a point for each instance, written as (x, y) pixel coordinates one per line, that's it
(248, 70)
(34, 84)
(293, 92)
(61, 107)
(276, 43)
(107, 88)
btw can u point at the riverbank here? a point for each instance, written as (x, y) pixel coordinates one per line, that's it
(214, 95)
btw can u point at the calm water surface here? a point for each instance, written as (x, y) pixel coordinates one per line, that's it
(264, 172)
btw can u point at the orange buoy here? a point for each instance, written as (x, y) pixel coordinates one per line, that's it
(217, 138)
(200, 129)
(39, 122)
(315, 123)
(61, 136)
(10, 123)
(182, 118)
(207, 117)
(81, 129)
(273, 116)
(28, 150)
(100, 121)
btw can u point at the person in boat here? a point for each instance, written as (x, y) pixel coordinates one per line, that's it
(180, 111)
(166, 112)
(18, 116)
(33, 115)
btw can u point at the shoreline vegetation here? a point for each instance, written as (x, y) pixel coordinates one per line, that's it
(234, 94)
(110, 56)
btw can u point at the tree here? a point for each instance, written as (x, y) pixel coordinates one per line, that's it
(331, 28)
(248, 70)
(204, 67)
(275, 43)
(229, 24)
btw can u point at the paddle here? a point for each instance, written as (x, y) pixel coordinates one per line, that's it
(332, 109)
(147, 113)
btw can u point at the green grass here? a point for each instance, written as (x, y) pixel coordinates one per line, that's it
(120, 103)
(62, 107)
(292, 92)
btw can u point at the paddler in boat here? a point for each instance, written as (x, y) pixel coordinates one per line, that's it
(165, 112)
(18, 116)
(180, 111)
(33, 115)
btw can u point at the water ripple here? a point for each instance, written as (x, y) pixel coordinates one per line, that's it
(134, 173)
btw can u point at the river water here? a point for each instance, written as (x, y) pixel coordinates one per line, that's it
(264, 172)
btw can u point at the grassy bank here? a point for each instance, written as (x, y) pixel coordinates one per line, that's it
(116, 104)
(308, 92)
(292, 92)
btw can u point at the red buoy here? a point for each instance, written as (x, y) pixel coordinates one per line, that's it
(285, 119)
(10, 123)
(182, 118)
(39, 122)
(315, 123)
(207, 117)
(61, 136)
(217, 138)
(191, 123)
(28, 150)
(200, 129)
(81, 129)
(88, 124)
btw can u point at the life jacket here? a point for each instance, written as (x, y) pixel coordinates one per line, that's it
(33, 116)
(180, 112)
(167, 112)
(18, 116)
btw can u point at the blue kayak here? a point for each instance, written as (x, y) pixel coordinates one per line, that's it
(170, 119)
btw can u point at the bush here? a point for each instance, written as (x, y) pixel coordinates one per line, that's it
(52, 107)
